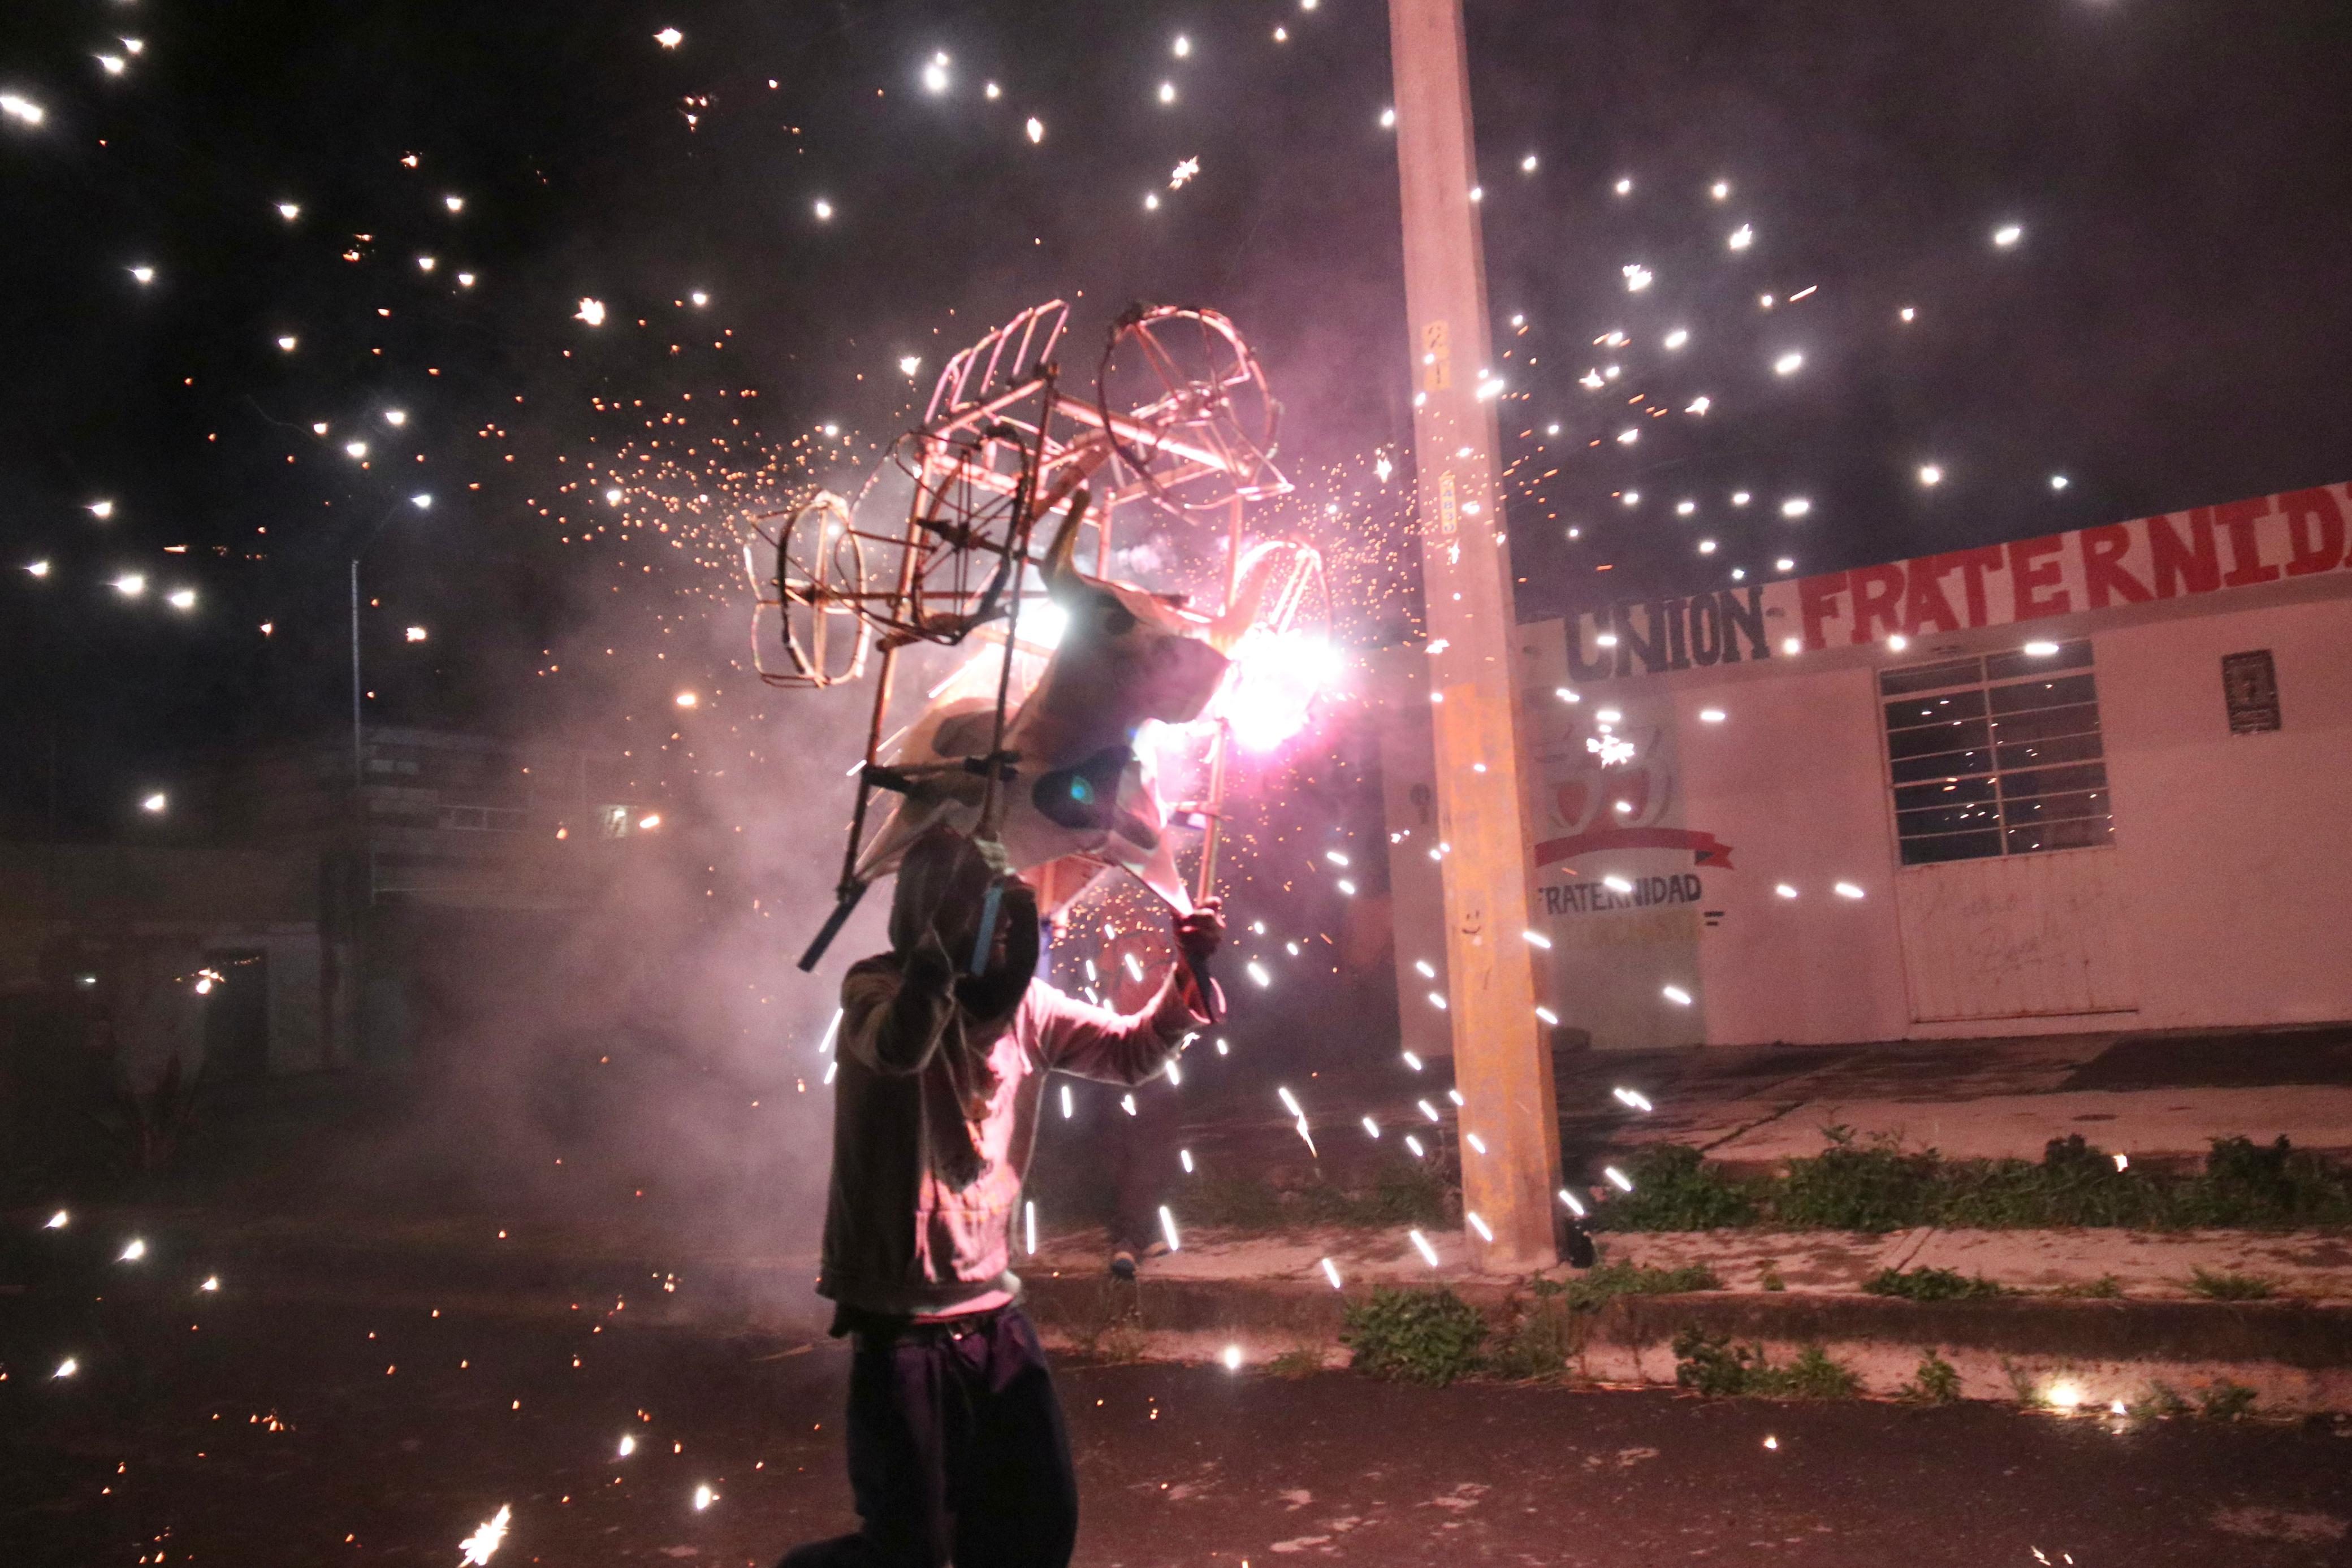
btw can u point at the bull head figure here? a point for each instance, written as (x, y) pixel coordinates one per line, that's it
(1077, 785)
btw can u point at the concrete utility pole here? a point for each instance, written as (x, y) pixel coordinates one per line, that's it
(1502, 1061)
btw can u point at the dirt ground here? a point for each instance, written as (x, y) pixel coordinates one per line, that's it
(209, 1427)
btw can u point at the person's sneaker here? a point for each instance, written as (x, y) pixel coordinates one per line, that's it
(1122, 1263)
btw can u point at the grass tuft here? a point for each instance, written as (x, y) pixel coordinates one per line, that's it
(2223, 1400)
(1712, 1363)
(1937, 1382)
(1674, 1189)
(1299, 1361)
(2225, 1286)
(1430, 1337)
(1931, 1285)
(1877, 1185)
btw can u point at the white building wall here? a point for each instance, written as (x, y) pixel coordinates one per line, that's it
(2237, 848)
(1791, 779)
(2223, 893)
(2218, 904)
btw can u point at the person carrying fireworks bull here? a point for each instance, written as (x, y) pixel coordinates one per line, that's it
(956, 1447)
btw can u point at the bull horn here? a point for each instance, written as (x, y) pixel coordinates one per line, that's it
(1057, 568)
(1229, 628)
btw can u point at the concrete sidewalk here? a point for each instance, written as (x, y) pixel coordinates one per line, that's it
(1254, 1299)
(2157, 1098)
(2161, 1098)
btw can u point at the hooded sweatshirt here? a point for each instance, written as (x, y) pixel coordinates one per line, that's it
(936, 1102)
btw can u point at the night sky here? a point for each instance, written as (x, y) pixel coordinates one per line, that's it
(2167, 329)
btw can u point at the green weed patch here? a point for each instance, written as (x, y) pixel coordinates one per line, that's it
(1931, 1285)
(1712, 1363)
(1430, 1337)
(1877, 1186)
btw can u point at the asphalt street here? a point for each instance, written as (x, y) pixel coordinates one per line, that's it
(213, 1429)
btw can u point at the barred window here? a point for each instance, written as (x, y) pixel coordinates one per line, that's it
(1998, 755)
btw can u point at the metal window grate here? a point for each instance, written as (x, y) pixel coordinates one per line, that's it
(1996, 756)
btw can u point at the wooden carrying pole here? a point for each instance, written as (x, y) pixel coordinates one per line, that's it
(1502, 1061)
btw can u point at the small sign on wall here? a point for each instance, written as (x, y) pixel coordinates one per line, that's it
(2250, 687)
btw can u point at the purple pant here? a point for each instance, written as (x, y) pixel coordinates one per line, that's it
(957, 1451)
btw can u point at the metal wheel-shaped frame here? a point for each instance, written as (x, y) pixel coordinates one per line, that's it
(1201, 425)
(820, 580)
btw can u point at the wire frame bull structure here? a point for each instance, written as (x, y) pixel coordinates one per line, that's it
(1031, 742)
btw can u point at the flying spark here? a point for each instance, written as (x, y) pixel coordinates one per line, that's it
(670, 37)
(478, 1546)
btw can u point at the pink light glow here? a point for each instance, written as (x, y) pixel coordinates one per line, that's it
(1276, 679)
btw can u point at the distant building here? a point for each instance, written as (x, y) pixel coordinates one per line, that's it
(2093, 780)
(297, 924)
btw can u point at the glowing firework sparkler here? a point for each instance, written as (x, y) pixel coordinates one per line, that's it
(477, 1547)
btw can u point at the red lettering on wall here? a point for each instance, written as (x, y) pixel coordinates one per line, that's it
(2307, 510)
(1817, 599)
(1974, 564)
(2237, 520)
(1927, 605)
(2193, 566)
(1877, 599)
(2104, 549)
(2024, 577)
